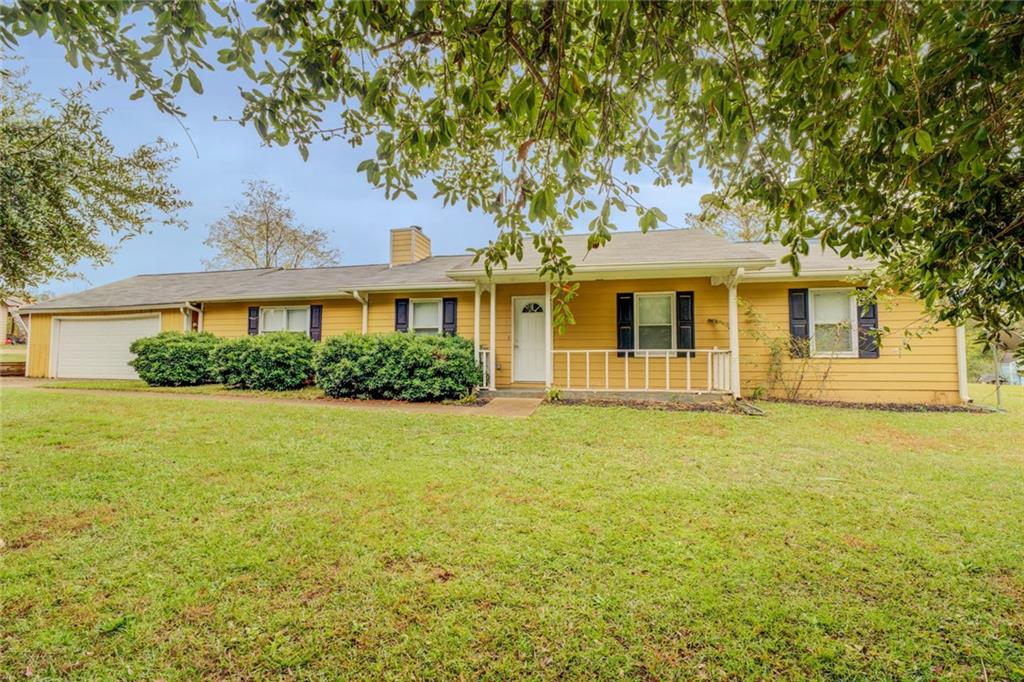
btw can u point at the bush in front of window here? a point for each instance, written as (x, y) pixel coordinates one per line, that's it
(398, 366)
(279, 361)
(175, 358)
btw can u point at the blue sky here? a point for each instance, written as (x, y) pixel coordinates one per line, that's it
(326, 192)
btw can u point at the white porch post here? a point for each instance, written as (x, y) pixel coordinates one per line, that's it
(476, 320)
(548, 341)
(734, 334)
(492, 356)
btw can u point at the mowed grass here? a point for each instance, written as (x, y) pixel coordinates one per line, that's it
(192, 538)
(306, 392)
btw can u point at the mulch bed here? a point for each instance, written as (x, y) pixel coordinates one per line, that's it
(883, 407)
(660, 405)
(728, 407)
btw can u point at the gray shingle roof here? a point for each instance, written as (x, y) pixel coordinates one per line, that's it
(819, 259)
(626, 249)
(226, 285)
(682, 247)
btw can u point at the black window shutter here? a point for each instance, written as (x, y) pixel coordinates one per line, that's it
(316, 316)
(686, 334)
(624, 323)
(799, 323)
(401, 314)
(449, 315)
(867, 323)
(254, 320)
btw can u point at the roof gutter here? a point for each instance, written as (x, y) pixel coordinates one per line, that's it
(32, 310)
(747, 264)
(805, 275)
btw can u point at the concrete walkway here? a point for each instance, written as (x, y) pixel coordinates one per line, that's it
(497, 407)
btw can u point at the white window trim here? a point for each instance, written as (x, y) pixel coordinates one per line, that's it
(637, 350)
(285, 308)
(854, 322)
(440, 313)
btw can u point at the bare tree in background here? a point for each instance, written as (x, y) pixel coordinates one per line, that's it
(261, 232)
(738, 222)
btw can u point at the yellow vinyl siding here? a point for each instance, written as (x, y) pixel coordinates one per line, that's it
(231, 320)
(914, 369)
(382, 311)
(594, 309)
(919, 369)
(40, 326)
(401, 247)
(421, 247)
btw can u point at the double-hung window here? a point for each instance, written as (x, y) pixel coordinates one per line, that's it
(284, 319)
(655, 320)
(425, 316)
(833, 318)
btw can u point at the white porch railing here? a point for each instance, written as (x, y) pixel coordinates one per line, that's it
(483, 360)
(686, 371)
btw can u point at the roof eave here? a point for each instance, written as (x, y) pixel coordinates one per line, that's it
(806, 275)
(37, 310)
(681, 268)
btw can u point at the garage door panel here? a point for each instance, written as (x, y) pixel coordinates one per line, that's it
(99, 348)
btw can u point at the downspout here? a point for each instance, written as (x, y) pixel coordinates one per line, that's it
(961, 364)
(366, 309)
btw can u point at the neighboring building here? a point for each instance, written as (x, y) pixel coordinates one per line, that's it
(14, 329)
(676, 310)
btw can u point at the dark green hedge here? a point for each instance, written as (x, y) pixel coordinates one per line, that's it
(398, 366)
(175, 358)
(270, 362)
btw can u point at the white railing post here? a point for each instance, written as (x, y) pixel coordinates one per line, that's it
(586, 355)
(606, 370)
(709, 370)
(667, 371)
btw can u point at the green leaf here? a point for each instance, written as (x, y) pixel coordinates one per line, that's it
(923, 141)
(194, 82)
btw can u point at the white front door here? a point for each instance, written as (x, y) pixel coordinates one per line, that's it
(528, 338)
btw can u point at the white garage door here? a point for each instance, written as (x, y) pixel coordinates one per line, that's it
(97, 348)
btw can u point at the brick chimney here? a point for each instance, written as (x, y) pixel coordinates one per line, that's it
(409, 245)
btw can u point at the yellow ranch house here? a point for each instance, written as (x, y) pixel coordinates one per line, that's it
(667, 312)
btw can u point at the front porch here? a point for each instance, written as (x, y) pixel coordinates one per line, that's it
(672, 336)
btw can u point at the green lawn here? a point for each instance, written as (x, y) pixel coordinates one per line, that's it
(307, 392)
(12, 353)
(193, 538)
(985, 394)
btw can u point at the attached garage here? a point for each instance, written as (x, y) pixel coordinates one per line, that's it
(97, 347)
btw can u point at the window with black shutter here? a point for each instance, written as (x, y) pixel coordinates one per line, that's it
(799, 323)
(449, 316)
(867, 326)
(686, 332)
(316, 316)
(624, 323)
(401, 314)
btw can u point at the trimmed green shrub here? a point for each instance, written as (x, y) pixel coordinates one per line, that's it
(175, 358)
(279, 361)
(399, 366)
